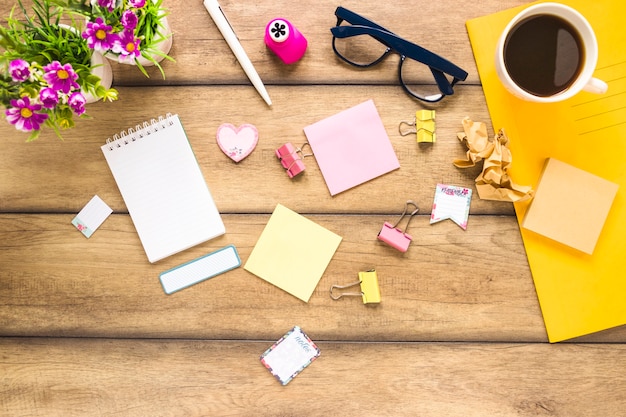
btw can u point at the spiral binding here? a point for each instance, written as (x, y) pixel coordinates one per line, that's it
(129, 135)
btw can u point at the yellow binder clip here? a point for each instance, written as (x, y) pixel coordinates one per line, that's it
(368, 281)
(423, 127)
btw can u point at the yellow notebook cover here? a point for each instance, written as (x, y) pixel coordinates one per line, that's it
(578, 293)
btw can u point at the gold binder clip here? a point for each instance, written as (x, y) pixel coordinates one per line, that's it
(368, 281)
(423, 126)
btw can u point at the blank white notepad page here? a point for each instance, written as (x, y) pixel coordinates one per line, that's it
(163, 187)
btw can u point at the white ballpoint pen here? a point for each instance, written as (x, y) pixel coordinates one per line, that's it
(231, 39)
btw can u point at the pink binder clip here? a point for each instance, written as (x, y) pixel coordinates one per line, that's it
(291, 158)
(394, 237)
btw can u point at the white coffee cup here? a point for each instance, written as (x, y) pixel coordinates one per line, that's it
(583, 81)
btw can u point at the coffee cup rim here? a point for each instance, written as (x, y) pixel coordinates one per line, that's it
(589, 41)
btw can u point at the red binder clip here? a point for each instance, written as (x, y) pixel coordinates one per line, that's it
(291, 158)
(394, 237)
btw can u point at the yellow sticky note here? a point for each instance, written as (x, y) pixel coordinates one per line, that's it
(292, 252)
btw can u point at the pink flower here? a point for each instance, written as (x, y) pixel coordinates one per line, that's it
(20, 70)
(61, 77)
(129, 20)
(77, 102)
(127, 45)
(24, 115)
(99, 35)
(107, 4)
(137, 3)
(48, 97)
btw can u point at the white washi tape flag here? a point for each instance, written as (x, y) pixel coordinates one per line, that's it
(200, 269)
(451, 202)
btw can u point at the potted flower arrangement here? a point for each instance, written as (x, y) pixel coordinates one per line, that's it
(129, 31)
(46, 71)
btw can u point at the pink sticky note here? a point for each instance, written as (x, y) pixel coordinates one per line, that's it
(351, 147)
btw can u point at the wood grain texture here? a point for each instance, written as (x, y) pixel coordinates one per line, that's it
(448, 286)
(203, 57)
(86, 329)
(257, 183)
(52, 377)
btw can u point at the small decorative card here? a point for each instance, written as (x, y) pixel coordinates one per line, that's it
(92, 216)
(290, 355)
(237, 142)
(451, 202)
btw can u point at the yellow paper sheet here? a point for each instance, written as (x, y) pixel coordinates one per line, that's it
(578, 293)
(292, 252)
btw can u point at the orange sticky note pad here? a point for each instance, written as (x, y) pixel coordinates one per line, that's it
(570, 205)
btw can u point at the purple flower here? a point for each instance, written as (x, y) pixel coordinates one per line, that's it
(48, 97)
(127, 45)
(20, 70)
(137, 3)
(107, 4)
(99, 35)
(129, 20)
(24, 115)
(61, 77)
(77, 102)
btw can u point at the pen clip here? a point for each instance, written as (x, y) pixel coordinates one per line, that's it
(228, 21)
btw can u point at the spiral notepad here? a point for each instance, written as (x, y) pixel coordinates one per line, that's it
(163, 187)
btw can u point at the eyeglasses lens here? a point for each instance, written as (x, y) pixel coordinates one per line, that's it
(419, 80)
(362, 50)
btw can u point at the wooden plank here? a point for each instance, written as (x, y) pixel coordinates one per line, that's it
(85, 328)
(450, 285)
(202, 55)
(50, 175)
(66, 377)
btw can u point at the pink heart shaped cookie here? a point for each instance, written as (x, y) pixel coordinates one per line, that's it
(237, 142)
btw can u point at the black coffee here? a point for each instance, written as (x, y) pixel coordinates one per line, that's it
(544, 54)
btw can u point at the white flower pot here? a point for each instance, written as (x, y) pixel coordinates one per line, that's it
(100, 67)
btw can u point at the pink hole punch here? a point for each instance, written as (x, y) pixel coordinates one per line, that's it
(291, 158)
(394, 237)
(282, 38)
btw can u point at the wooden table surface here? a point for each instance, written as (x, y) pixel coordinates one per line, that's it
(86, 329)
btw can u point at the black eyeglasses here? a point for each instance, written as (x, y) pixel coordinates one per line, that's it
(360, 45)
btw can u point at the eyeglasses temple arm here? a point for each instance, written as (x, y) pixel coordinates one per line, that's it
(356, 19)
(403, 47)
(442, 82)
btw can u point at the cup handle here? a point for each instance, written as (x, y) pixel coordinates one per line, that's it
(596, 86)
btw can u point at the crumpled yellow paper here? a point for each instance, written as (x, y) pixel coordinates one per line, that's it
(494, 182)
